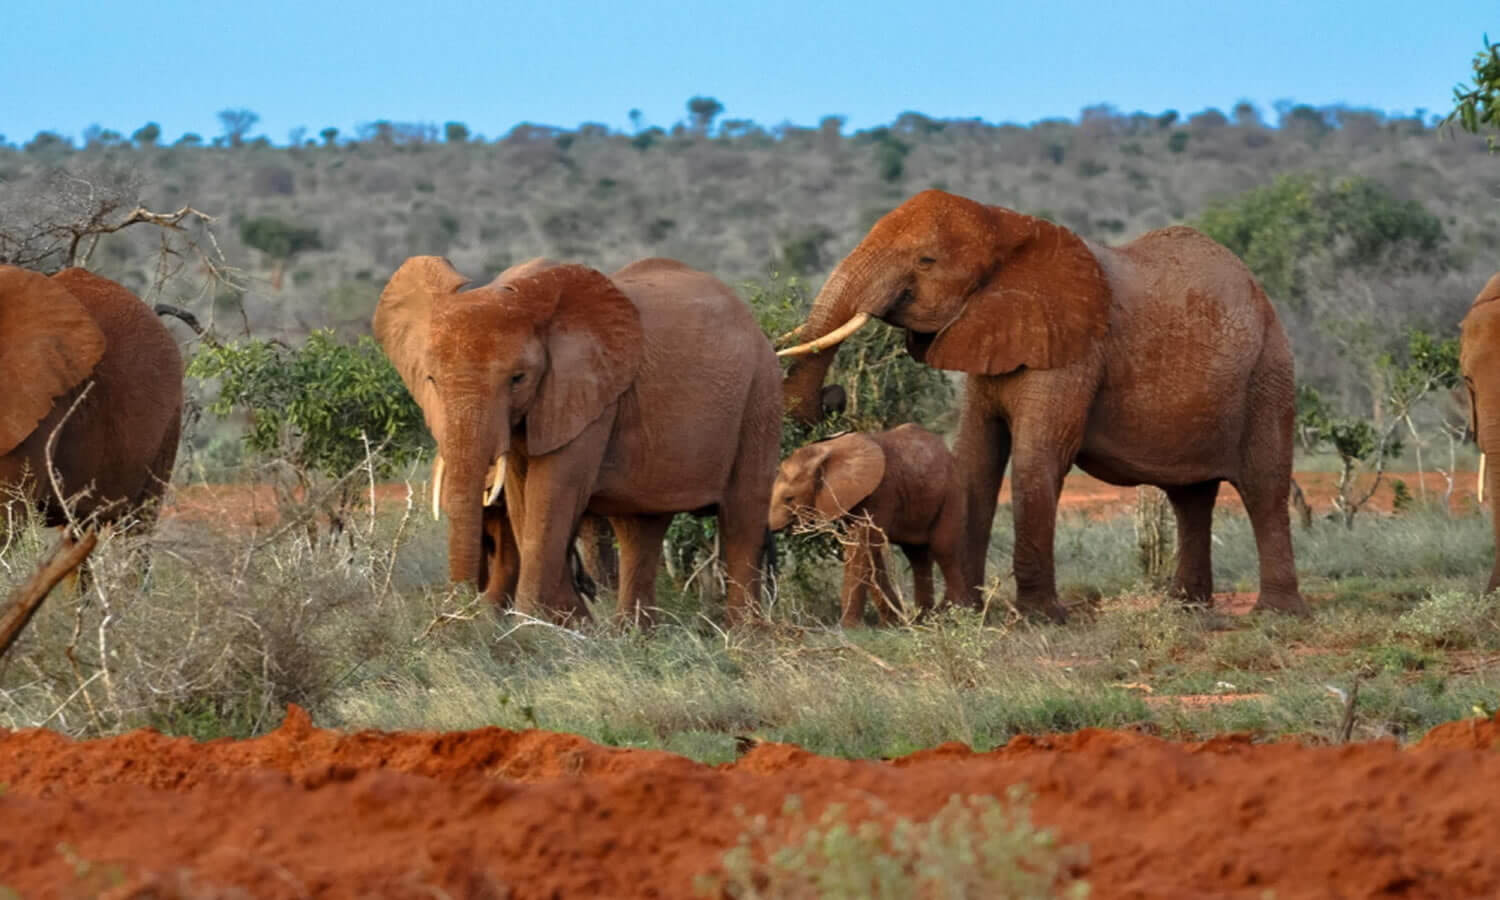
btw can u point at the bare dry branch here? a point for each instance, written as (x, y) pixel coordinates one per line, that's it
(24, 601)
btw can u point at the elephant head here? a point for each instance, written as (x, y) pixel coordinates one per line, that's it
(520, 365)
(826, 480)
(51, 345)
(979, 289)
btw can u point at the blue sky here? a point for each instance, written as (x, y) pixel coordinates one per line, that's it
(492, 65)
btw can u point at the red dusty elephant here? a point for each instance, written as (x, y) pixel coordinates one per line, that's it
(1157, 362)
(63, 334)
(1479, 360)
(633, 396)
(897, 486)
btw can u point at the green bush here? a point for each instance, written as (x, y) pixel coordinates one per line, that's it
(1280, 229)
(323, 406)
(277, 239)
(974, 846)
(1477, 107)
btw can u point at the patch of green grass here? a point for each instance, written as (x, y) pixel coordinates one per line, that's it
(974, 845)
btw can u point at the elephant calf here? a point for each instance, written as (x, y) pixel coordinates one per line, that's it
(899, 486)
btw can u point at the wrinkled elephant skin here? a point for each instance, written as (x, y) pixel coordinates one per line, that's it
(1157, 362)
(70, 333)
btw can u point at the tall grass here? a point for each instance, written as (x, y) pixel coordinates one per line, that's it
(364, 632)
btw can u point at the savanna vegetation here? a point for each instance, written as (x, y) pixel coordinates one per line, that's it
(1371, 232)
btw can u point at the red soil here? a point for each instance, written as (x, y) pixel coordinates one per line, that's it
(492, 813)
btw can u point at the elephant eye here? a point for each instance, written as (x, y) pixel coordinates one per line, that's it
(926, 261)
(517, 378)
(431, 380)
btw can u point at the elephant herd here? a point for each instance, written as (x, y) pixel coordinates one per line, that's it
(567, 404)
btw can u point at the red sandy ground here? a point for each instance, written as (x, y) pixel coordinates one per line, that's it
(305, 812)
(243, 505)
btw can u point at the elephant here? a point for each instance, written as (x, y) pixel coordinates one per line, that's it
(633, 396)
(900, 485)
(1159, 362)
(79, 342)
(1479, 362)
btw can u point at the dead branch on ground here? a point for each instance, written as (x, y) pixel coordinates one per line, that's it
(24, 601)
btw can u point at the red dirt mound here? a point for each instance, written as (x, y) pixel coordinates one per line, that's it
(305, 812)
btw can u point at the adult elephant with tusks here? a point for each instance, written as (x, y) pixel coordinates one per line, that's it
(1157, 362)
(633, 396)
(1479, 361)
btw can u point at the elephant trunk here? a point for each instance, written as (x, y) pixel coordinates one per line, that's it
(470, 459)
(463, 499)
(853, 288)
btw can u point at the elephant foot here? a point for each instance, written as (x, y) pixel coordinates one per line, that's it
(1193, 599)
(1042, 609)
(1288, 602)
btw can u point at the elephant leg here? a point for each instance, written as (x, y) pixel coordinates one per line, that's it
(1265, 484)
(1035, 486)
(640, 556)
(555, 492)
(857, 577)
(1491, 482)
(945, 546)
(885, 591)
(1194, 506)
(596, 549)
(500, 566)
(744, 535)
(981, 452)
(920, 558)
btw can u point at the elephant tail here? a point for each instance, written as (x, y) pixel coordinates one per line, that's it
(583, 583)
(768, 566)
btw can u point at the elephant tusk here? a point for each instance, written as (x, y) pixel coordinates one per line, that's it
(437, 483)
(1481, 477)
(793, 333)
(493, 493)
(833, 337)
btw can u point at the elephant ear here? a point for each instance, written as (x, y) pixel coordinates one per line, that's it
(849, 473)
(403, 318)
(51, 344)
(1043, 307)
(594, 350)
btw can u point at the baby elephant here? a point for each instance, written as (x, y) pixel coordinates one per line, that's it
(900, 486)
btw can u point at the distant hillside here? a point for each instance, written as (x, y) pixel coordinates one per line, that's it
(738, 199)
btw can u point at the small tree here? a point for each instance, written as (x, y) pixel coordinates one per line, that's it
(1477, 107)
(329, 136)
(1431, 365)
(327, 409)
(278, 240)
(703, 110)
(237, 124)
(455, 132)
(147, 135)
